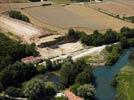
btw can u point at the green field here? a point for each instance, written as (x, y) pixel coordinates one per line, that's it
(125, 85)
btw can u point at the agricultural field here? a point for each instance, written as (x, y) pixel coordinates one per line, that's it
(17, 6)
(116, 7)
(22, 29)
(80, 17)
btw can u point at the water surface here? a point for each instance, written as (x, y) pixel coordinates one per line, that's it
(104, 76)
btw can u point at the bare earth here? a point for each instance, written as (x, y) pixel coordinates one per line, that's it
(22, 29)
(81, 53)
(64, 49)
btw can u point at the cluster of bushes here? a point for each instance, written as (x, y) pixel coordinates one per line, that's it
(130, 18)
(34, 89)
(16, 73)
(114, 53)
(115, 50)
(18, 15)
(83, 86)
(48, 66)
(78, 75)
(97, 38)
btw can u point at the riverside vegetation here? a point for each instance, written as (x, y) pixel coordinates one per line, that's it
(27, 81)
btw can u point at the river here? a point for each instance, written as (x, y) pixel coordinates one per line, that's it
(104, 76)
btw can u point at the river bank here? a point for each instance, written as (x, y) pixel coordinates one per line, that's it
(104, 76)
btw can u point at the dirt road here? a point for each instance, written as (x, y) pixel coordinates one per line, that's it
(77, 55)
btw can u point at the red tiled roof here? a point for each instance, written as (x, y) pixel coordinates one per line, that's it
(72, 96)
(30, 59)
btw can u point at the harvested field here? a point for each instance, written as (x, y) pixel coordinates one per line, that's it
(22, 29)
(118, 7)
(79, 17)
(13, 6)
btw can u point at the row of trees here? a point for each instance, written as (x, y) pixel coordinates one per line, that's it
(115, 50)
(18, 15)
(97, 38)
(34, 89)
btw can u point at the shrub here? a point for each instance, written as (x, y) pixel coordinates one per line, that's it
(14, 92)
(86, 91)
(74, 88)
(18, 15)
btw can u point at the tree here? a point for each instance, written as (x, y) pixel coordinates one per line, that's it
(50, 89)
(67, 73)
(83, 77)
(124, 42)
(13, 91)
(49, 65)
(74, 88)
(110, 36)
(17, 15)
(97, 38)
(113, 54)
(17, 73)
(86, 91)
(35, 89)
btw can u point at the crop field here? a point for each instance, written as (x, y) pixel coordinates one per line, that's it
(13, 6)
(80, 17)
(117, 7)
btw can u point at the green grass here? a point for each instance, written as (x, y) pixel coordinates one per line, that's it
(125, 85)
(13, 36)
(98, 58)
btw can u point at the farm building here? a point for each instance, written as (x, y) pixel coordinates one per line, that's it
(31, 59)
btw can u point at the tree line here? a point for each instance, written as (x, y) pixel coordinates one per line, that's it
(98, 39)
(18, 15)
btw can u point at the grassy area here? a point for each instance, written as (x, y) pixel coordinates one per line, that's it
(125, 85)
(13, 36)
(97, 58)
